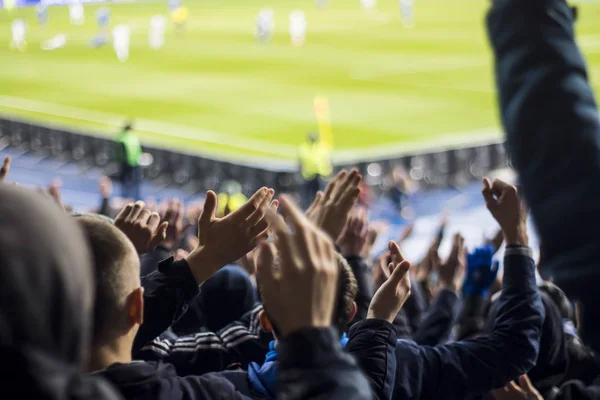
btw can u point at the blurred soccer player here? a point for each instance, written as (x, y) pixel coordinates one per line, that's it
(121, 35)
(103, 20)
(18, 29)
(180, 16)
(298, 27)
(41, 12)
(76, 14)
(407, 13)
(265, 24)
(156, 34)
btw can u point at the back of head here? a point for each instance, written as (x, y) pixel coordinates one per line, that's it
(226, 296)
(116, 269)
(347, 290)
(46, 294)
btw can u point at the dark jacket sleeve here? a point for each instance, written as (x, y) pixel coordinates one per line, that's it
(167, 293)
(471, 321)
(438, 320)
(552, 129)
(416, 304)
(574, 390)
(240, 342)
(151, 260)
(365, 286)
(372, 343)
(473, 367)
(312, 365)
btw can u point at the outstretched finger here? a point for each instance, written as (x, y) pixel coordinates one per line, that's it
(5, 168)
(399, 271)
(252, 204)
(330, 189)
(209, 209)
(488, 196)
(124, 212)
(395, 252)
(153, 221)
(159, 235)
(137, 208)
(259, 213)
(312, 208)
(264, 260)
(526, 384)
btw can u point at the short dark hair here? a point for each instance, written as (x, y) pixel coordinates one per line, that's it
(347, 290)
(115, 272)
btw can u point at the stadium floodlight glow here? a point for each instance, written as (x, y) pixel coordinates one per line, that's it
(374, 169)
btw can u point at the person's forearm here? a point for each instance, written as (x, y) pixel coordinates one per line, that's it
(474, 367)
(241, 341)
(552, 128)
(372, 342)
(471, 321)
(167, 293)
(312, 365)
(439, 319)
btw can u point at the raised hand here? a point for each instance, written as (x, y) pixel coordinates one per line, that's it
(5, 168)
(298, 274)
(141, 226)
(330, 210)
(354, 237)
(105, 187)
(502, 199)
(524, 391)
(222, 241)
(391, 295)
(176, 229)
(452, 272)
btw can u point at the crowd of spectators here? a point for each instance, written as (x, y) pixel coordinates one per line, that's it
(174, 301)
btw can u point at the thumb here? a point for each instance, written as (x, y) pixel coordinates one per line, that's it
(209, 210)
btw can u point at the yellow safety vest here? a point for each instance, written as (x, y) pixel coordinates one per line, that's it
(228, 204)
(314, 160)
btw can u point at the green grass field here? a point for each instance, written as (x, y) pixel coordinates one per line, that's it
(215, 90)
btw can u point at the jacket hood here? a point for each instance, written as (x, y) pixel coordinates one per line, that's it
(46, 289)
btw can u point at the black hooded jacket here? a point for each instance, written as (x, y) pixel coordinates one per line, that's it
(46, 295)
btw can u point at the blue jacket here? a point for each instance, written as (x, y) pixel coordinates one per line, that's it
(473, 367)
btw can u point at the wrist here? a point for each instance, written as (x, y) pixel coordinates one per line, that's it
(516, 236)
(451, 286)
(202, 264)
(374, 315)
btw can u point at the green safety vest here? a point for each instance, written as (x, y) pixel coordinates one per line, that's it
(133, 149)
(314, 160)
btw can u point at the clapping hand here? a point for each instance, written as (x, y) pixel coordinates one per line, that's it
(329, 211)
(502, 199)
(222, 241)
(299, 273)
(141, 226)
(391, 295)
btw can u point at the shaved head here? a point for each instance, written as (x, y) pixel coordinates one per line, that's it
(117, 275)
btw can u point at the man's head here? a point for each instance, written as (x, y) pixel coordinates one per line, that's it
(345, 307)
(313, 137)
(119, 304)
(128, 126)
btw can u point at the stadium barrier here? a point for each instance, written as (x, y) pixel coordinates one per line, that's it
(439, 168)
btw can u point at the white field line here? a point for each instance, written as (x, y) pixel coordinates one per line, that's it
(147, 125)
(377, 152)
